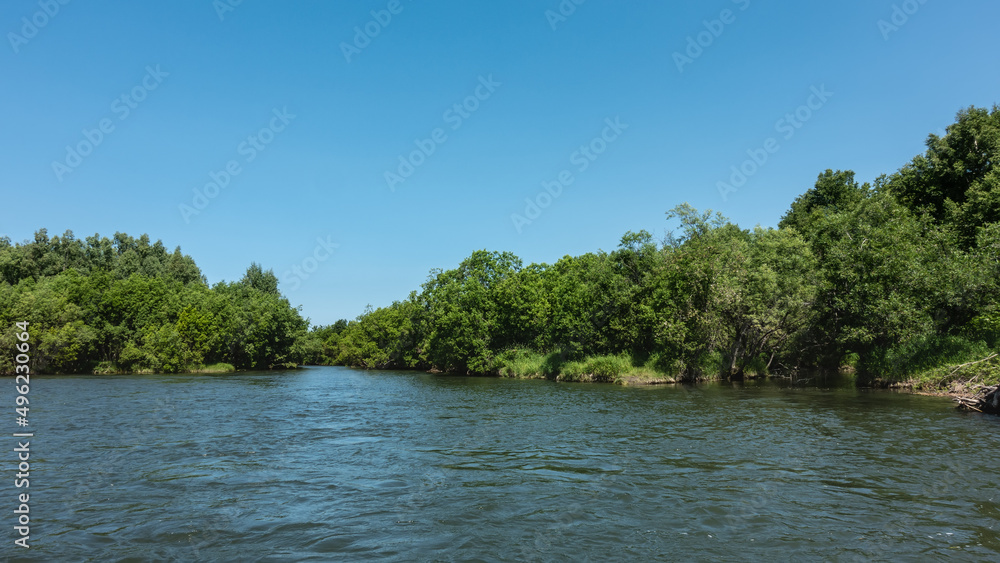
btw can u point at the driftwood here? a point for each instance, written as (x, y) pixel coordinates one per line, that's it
(986, 399)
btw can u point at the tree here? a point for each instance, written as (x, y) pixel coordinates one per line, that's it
(258, 279)
(887, 273)
(834, 192)
(956, 180)
(126, 304)
(462, 314)
(693, 224)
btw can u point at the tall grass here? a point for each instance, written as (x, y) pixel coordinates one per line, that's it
(610, 369)
(220, 367)
(930, 361)
(524, 364)
(614, 369)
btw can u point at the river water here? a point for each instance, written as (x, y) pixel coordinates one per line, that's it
(329, 463)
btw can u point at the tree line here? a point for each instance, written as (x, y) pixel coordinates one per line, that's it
(124, 305)
(890, 279)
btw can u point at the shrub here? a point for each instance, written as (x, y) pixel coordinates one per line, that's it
(711, 365)
(598, 368)
(520, 364)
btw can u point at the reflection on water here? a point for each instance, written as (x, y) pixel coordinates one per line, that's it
(330, 463)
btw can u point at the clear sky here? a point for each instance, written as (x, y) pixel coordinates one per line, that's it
(287, 116)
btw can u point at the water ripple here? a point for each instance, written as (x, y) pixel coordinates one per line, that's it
(334, 464)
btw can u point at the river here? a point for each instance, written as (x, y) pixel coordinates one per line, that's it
(328, 463)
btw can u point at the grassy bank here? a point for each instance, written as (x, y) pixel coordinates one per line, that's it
(960, 380)
(110, 368)
(220, 367)
(618, 369)
(936, 364)
(942, 366)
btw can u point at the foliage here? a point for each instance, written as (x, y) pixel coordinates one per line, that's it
(123, 305)
(894, 280)
(597, 368)
(524, 364)
(956, 181)
(834, 192)
(890, 279)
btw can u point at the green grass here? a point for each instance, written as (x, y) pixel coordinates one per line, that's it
(957, 377)
(607, 369)
(933, 363)
(526, 364)
(523, 364)
(220, 367)
(110, 368)
(620, 369)
(711, 365)
(923, 354)
(106, 368)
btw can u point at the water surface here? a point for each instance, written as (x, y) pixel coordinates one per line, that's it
(335, 464)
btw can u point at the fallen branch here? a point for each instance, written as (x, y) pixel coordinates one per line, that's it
(986, 400)
(986, 359)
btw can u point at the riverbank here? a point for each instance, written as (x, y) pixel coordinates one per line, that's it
(973, 385)
(953, 379)
(110, 368)
(967, 382)
(640, 378)
(617, 369)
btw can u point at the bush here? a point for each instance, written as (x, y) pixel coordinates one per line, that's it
(711, 365)
(756, 367)
(520, 364)
(609, 367)
(662, 363)
(220, 367)
(573, 371)
(850, 360)
(985, 327)
(598, 368)
(553, 364)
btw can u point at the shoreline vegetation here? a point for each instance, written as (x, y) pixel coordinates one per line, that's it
(896, 283)
(126, 305)
(107, 368)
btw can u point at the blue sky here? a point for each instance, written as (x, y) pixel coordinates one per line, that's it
(308, 117)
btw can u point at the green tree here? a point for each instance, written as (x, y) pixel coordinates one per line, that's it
(834, 192)
(956, 180)
(126, 304)
(462, 314)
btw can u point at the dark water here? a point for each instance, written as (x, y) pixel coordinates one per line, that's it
(333, 464)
